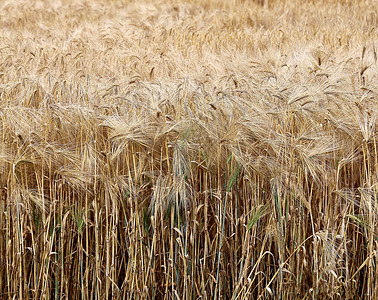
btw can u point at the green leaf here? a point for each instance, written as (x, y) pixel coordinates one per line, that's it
(233, 178)
(359, 221)
(257, 213)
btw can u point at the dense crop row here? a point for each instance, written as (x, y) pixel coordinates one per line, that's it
(188, 149)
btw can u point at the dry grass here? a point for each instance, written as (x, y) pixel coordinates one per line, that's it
(188, 149)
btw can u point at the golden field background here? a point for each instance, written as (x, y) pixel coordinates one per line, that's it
(188, 149)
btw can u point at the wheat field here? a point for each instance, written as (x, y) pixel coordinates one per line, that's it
(203, 149)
